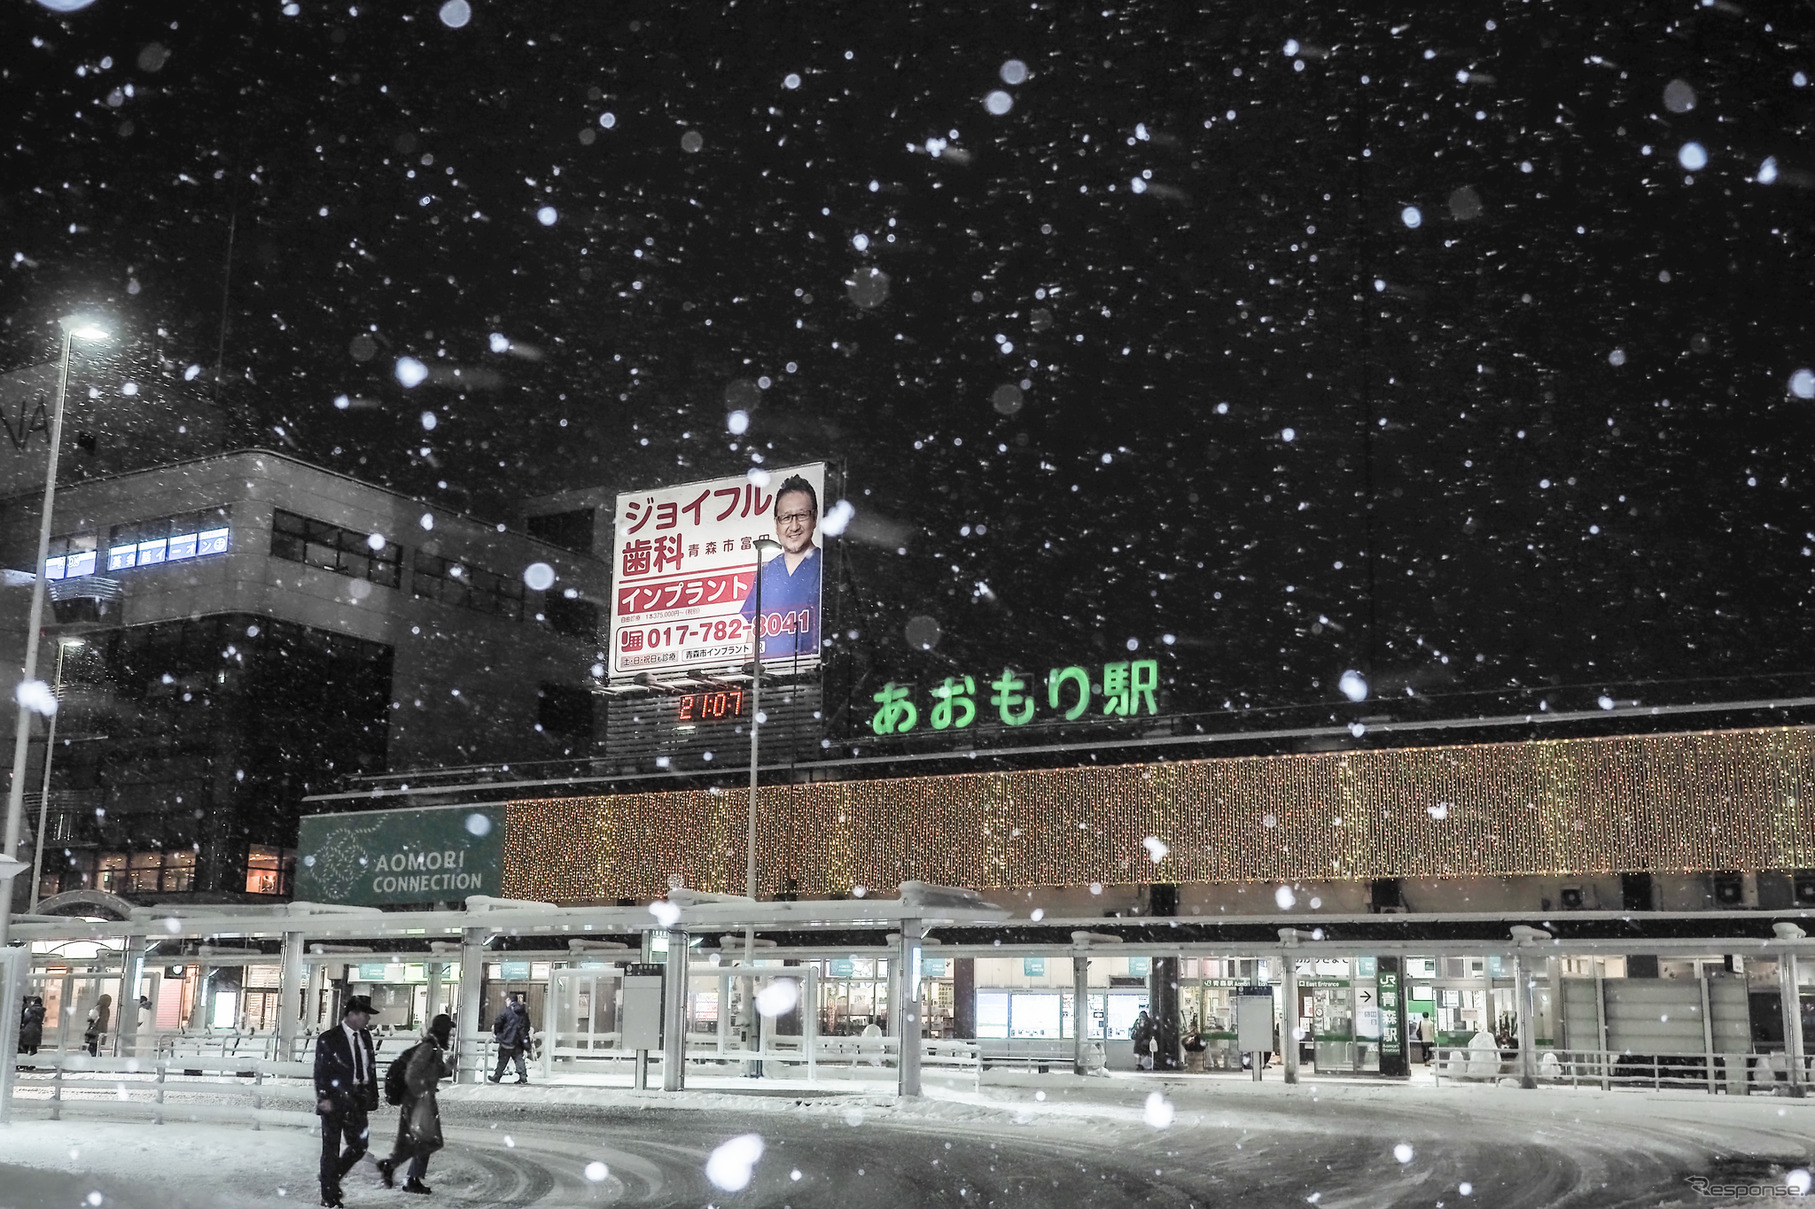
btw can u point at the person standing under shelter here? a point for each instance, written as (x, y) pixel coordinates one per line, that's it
(31, 1025)
(1143, 1034)
(419, 1124)
(100, 1018)
(511, 1031)
(346, 1089)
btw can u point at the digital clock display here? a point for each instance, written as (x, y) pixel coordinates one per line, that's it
(710, 707)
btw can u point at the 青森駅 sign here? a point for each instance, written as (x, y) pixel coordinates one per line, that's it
(378, 858)
(685, 567)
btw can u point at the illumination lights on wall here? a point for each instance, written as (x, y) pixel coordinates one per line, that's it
(1717, 800)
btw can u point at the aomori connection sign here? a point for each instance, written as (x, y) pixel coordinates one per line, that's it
(685, 569)
(381, 857)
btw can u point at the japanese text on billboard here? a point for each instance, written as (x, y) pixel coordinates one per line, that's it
(685, 593)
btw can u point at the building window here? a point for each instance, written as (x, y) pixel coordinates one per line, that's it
(569, 530)
(166, 539)
(71, 555)
(342, 551)
(572, 616)
(456, 583)
(144, 871)
(111, 872)
(268, 869)
(179, 870)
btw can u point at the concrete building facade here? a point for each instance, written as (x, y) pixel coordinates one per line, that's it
(236, 631)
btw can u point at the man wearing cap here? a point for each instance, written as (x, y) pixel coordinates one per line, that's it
(346, 1089)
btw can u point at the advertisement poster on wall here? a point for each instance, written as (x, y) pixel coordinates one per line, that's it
(685, 567)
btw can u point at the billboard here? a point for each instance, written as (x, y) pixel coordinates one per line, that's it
(684, 590)
(379, 858)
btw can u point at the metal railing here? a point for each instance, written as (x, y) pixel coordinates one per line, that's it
(143, 1087)
(477, 1057)
(1732, 1074)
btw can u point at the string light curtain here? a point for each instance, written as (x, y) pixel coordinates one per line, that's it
(1716, 800)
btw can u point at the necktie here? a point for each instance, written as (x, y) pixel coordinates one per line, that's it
(359, 1065)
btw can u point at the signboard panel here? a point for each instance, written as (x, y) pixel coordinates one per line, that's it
(685, 568)
(379, 858)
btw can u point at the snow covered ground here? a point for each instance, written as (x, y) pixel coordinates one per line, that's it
(1023, 1140)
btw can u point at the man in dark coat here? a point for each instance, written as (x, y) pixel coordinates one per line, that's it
(346, 1089)
(511, 1031)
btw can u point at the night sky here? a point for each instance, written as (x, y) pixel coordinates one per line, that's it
(1341, 338)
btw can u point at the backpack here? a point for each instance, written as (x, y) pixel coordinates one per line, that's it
(396, 1087)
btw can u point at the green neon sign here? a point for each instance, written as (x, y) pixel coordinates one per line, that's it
(1124, 689)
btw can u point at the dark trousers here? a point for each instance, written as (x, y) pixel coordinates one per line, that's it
(506, 1055)
(352, 1126)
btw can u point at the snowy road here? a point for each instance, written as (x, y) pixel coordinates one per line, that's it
(1083, 1144)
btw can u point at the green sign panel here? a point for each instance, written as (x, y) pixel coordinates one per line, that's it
(1033, 967)
(1123, 689)
(933, 967)
(514, 971)
(1140, 967)
(373, 971)
(380, 858)
(1389, 1012)
(843, 967)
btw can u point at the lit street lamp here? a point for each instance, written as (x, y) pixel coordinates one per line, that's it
(64, 646)
(75, 327)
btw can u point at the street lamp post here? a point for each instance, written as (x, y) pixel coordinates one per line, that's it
(64, 646)
(74, 328)
(763, 545)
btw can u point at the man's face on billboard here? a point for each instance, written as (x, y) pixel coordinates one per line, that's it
(795, 521)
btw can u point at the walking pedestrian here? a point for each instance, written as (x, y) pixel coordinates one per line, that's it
(346, 1089)
(99, 1018)
(511, 1030)
(419, 1124)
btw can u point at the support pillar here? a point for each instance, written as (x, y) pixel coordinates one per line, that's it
(292, 997)
(1792, 1022)
(1522, 1006)
(1288, 1031)
(132, 972)
(1080, 1014)
(809, 1020)
(674, 1012)
(964, 998)
(472, 977)
(1162, 995)
(906, 971)
(1488, 1021)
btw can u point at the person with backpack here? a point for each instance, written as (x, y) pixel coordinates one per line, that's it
(410, 1082)
(511, 1030)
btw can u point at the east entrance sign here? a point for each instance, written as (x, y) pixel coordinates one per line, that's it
(381, 858)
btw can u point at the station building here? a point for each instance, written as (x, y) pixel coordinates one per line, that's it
(1198, 862)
